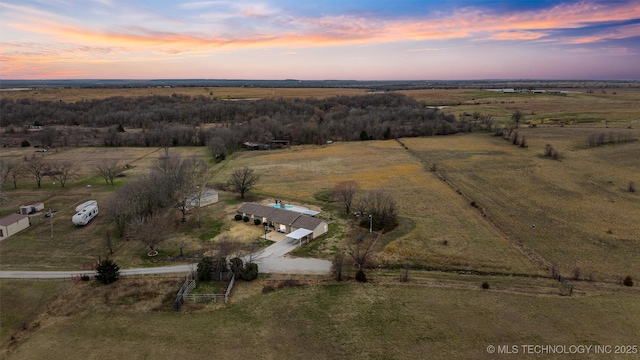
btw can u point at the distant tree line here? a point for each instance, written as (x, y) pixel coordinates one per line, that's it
(610, 138)
(179, 120)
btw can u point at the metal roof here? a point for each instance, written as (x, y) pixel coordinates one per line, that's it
(299, 234)
(307, 222)
(287, 217)
(11, 219)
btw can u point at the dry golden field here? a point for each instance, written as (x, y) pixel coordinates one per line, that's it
(585, 219)
(86, 159)
(437, 319)
(618, 106)
(73, 95)
(585, 216)
(422, 199)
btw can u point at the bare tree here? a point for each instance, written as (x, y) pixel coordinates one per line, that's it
(38, 168)
(4, 172)
(360, 250)
(517, 117)
(151, 231)
(119, 210)
(146, 195)
(108, 169)
(337, 265)
(62, 171)
(382, 210)
(201, 177)
(15, 171)
(217, 147)
(184, 181)
(108, 241)
(47, 136)
(344, 193)
(243, 180)
(228, 247)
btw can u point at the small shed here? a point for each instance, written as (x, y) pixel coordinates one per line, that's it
(208, 197)
(12, 224)
(31, 208)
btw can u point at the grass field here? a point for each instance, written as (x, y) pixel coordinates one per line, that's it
(616, 105)
(133, 319)
(584, 215)
(423, 199)
(587, 223)
(73, 95)
(21, 301)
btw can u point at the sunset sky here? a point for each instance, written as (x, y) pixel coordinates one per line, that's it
(316, 40)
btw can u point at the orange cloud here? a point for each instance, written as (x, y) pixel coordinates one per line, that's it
(467, 23)
(621, 32)
(517, 35)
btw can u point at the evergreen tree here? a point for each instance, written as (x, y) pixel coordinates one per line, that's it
(107, 271)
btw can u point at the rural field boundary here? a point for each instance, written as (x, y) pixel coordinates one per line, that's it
(543, 263)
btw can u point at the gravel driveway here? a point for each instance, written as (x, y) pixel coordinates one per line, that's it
(272, 259)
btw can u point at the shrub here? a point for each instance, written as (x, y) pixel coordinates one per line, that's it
(523, 142)
(268, 289)
(576, 273)
(250, 272)
(107, 271)
(627, 281)
(236, 267)
(289, 283)
(205, 267)
(548, 150)
(245, 219)
(361, 276)
(485, 285)
(257, 221)
(25, 143)
(238, 217)
(85, 277)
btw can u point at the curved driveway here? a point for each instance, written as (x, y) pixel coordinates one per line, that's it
(270, 260)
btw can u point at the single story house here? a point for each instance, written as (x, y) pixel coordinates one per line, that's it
(31, 208)
(308, 228)
(208, 197)
(285, 221)
(12, 224)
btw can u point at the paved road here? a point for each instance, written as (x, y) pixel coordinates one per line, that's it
(270, 260)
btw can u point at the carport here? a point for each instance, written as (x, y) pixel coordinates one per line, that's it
(299, 235)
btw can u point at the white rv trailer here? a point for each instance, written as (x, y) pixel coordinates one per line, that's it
(85, 204)
(85, 214)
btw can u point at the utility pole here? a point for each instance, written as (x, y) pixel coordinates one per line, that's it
(51, 222)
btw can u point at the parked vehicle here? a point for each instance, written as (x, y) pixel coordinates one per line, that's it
(85, 204)
(85, 212)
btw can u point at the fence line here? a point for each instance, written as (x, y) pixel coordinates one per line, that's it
(184, 294)
(205, 297)
(188, 285)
